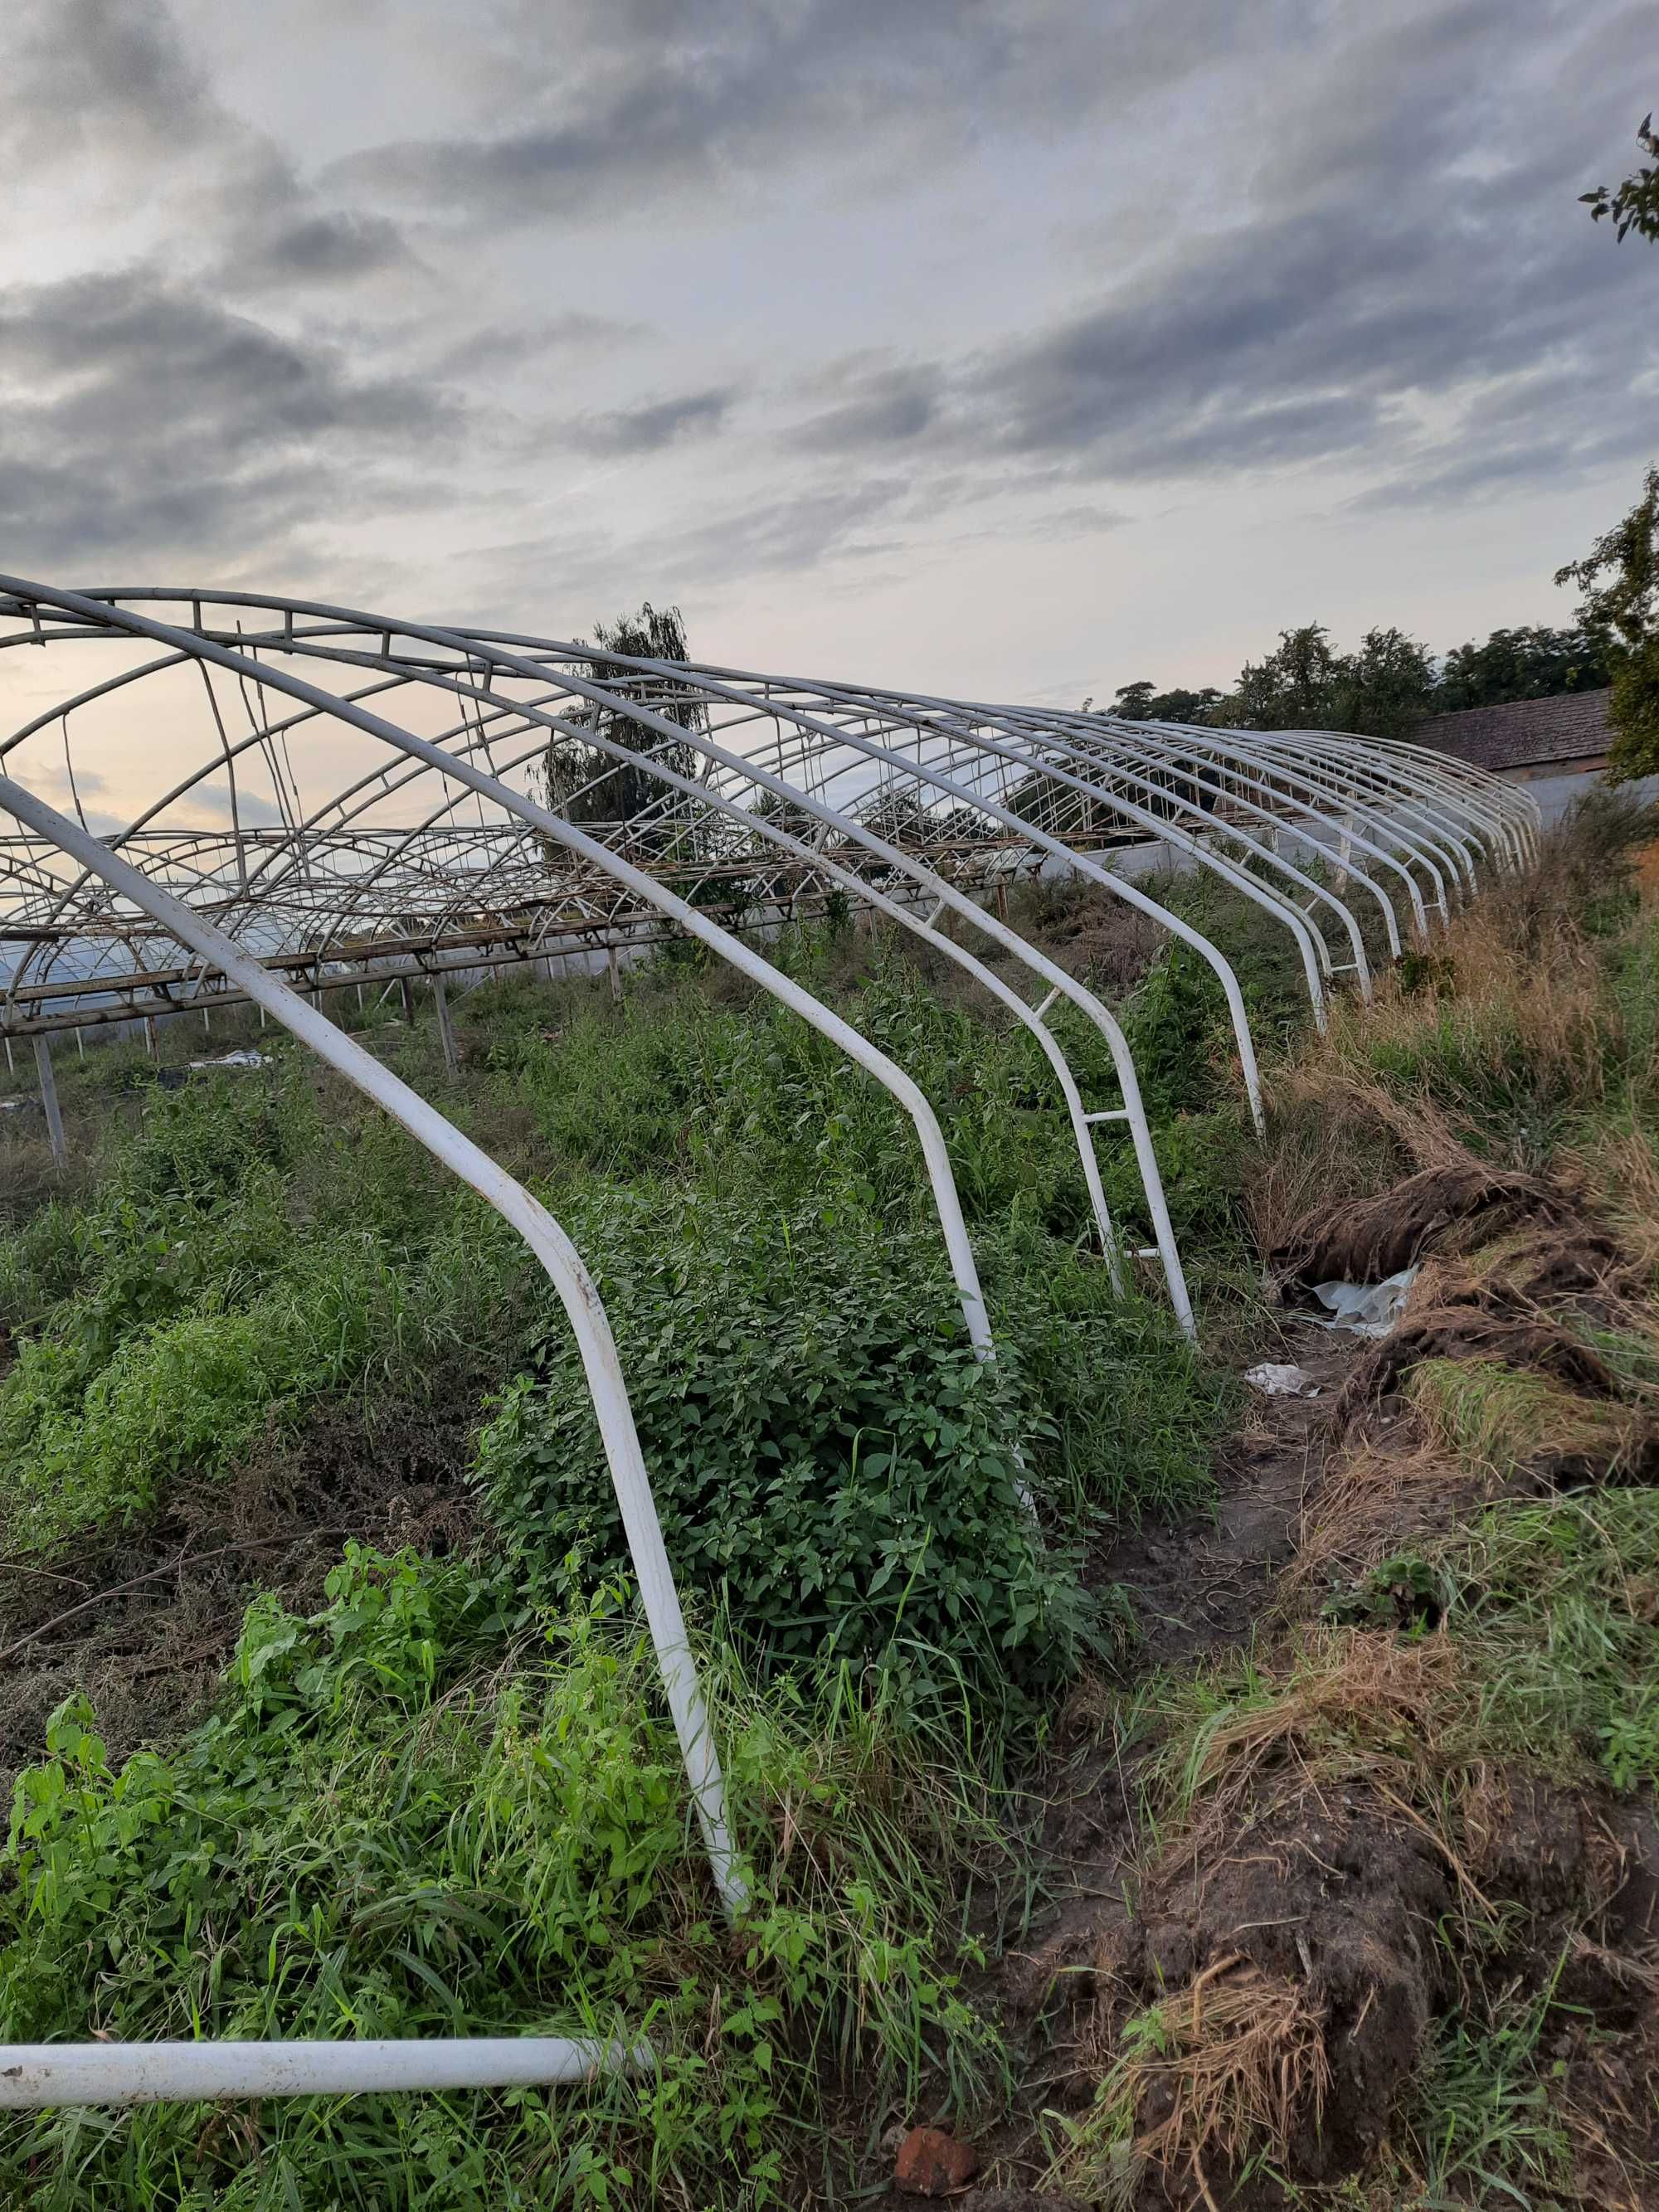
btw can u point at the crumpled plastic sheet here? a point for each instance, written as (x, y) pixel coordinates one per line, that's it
(1281, 1380)
(244, 1057)
(1365, 1309)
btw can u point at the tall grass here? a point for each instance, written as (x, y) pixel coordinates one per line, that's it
(397, 1822)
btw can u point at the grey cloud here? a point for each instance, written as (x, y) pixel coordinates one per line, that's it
(621, 100)
(772, 535)
(658, 423)
(101, 76)
(500, 347)
(881, 406)
(87, 782)
(1372, 261)
(1080, 521)
(551, 574)
(314, 246)
(112, 87)
(1539, 430)
(1377, 268)
(213, 797)
(144, 416)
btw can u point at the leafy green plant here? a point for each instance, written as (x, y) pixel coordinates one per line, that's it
(396, 1822)
(830, 1458)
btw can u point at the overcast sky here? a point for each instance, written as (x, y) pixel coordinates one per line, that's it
(1021, 348)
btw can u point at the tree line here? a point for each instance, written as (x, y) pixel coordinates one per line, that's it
(1391, 682)
(1385, 687)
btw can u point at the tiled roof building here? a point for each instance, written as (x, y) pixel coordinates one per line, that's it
(1526, 736)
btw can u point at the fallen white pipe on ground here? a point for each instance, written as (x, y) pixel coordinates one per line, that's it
(33, 2075)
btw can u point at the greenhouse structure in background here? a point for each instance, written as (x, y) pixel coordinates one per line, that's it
(251, 800)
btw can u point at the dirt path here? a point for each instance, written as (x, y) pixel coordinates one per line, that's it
(1205, 1584)
(1197, 1589)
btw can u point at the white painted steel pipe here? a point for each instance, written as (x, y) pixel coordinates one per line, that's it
(970, 726)
(530, 714)
(714, 681)
(36, 2075)
(935, 1154)
(559, 1257)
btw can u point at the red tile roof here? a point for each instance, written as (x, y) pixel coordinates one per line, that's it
(1524, 732)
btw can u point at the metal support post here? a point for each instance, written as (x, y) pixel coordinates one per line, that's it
(48, 1100)
(446, 1034)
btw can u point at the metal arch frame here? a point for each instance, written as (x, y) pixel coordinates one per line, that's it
(1022, 721)
(529, 715)
(976, 746)
(108, 614)
(1369, 754)
(1508, 809)
(1178, 769)
(971, 725)
(1368, 782)
(50, 2074)
(810, 727)
(398, 671)
(1391, 771)
(1463, 812)
(912, 767)
(1108, 747)
(681, 675)
(680, 679)
(1443, 858)
(968, 736)
(1223, 768)
(1354, 782)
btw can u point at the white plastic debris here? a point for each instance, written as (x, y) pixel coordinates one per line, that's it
(245, 1057)
(1282, 1381)
(1365, 1309)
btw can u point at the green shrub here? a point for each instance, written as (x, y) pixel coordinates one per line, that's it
(186, 1395)
(829, 1456)
(1174, 1025)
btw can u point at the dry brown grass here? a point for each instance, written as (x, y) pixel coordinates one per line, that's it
(30, 1177)
(1619, 1166)
(1370, 1505)
(1551, 1013)
(1354, 1701)
(1336, 1128)
(1498, 1420)
(1234, 2061)
(1327, 1130)
(1508, 1007)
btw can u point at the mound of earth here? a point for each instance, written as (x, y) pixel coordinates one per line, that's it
(1367, 1240)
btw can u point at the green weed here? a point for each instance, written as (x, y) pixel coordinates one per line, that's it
(397, 1823)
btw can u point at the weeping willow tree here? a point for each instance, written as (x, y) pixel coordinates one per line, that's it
(589, 785)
